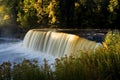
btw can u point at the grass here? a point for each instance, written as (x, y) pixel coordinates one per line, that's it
(104, 64)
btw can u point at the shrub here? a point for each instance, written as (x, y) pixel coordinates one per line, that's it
(28, 70)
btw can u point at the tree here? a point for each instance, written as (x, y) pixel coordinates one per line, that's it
(32, 13)
(6, 13)
(67, 13)
(112, 8)
(53, 11)
(27, 14)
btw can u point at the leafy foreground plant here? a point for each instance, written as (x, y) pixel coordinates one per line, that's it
(27, 70)
(104, 64)
(31, 71)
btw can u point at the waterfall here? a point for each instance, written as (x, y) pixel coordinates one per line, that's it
(57, 43)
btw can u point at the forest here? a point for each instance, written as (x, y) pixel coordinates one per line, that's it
(78, 14)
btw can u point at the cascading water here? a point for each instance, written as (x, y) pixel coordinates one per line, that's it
(42, 45)
(57, 43)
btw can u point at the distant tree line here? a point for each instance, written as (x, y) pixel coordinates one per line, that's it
(65, 13)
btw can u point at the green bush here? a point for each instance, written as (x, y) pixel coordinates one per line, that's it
(28, 70)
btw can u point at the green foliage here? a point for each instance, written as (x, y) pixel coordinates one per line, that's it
(113, 41)
(26, 14)
(32, 13)
(113, 4)
(6, 16)
(40, 8)
(69, 68)
(27, 70)
(52, 11)
(5, 71)
(63, 13)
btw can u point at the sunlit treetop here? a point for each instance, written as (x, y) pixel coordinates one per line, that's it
(4, 15)
(1, 9)
(51, 11)
(113, 4)
(77, 4)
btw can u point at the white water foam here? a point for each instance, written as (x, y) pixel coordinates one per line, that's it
(14, 52)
